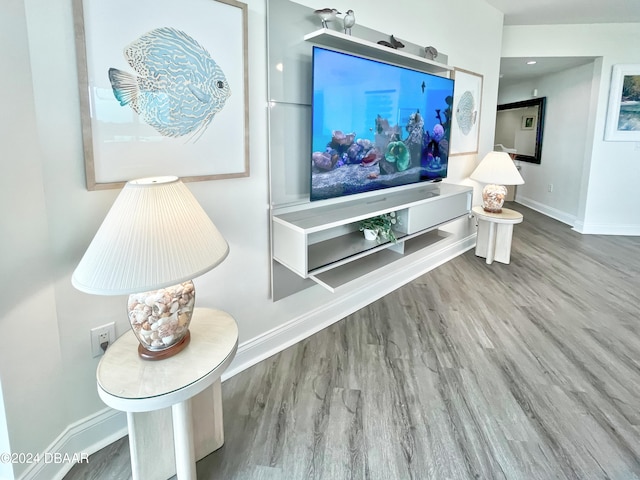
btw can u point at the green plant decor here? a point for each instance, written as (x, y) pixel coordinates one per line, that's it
(382, 225)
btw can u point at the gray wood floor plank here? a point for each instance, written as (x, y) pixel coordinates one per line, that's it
(524, 371)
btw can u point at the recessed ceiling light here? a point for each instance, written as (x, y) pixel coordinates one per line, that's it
(531, 62)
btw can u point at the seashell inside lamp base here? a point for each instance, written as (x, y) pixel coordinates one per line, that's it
(160, 319)
(493, 198)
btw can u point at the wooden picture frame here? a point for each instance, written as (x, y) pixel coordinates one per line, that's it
(623, 114)
(163, 89)
(465, 115)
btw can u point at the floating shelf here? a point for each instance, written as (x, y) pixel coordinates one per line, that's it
(358, 46)
(364, 267)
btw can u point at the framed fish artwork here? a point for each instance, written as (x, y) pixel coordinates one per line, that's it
(465, 112)
(163, 89)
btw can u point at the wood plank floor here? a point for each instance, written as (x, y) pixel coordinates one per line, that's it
(473, 371)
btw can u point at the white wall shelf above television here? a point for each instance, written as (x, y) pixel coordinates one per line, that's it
(322, 241)
(358, 46)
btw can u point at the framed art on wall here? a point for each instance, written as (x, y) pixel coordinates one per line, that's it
(528, 122)
(163, 89)
(623, 114)
(465, 115)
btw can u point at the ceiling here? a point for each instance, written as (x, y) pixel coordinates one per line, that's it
(553, 12)
(515, 70)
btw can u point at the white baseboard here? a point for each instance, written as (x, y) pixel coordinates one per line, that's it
(602, 229)
(559, 215)
(86, 436)
(578, 225)
(97, 431)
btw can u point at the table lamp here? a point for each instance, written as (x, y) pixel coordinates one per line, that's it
(153, 241)
(496, 170)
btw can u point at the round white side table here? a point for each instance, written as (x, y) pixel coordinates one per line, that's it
(174, 405)
(495, 231)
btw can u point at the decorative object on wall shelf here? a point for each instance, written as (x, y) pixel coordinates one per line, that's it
(467, 100)
(139, 116)
(327, 15)
(396, 43)
(623, 115)
(349, 21)
(528, 122)
(430, 53)
(155, 239)
(384, 43)
(496, 170)
(392, 43)
(381, 226)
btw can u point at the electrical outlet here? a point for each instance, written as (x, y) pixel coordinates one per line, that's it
(103, 334)
(550, 187)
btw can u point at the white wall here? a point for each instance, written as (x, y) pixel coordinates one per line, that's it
(30, 367)
(608, 190)
(568, 95)
(48, 375)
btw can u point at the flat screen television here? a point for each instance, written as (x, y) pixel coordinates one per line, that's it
(375, 125)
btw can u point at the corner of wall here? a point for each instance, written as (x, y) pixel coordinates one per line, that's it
(6, 469)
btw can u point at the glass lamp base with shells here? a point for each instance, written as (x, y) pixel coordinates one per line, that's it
(493, 198)
(160, 320)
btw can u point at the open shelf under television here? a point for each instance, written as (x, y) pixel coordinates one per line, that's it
(323, 242)
(358, 46)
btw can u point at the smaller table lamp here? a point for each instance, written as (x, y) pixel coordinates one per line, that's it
(153, 241)
(496, 170)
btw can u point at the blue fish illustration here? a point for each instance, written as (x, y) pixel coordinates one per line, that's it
(466, 112)
(178, 88)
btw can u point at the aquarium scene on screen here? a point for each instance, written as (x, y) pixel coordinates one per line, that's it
(375, 125)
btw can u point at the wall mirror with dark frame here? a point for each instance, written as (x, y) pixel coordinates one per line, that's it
(519, 127)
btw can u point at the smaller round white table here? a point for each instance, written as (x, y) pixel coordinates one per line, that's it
(158, 396)
(495, 231)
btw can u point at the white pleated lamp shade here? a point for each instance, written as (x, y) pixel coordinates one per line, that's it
(498, 168)
(155, 235)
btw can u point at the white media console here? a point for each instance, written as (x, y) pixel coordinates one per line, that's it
(324, 243)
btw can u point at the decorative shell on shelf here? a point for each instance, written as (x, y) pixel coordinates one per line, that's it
(430, 52)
